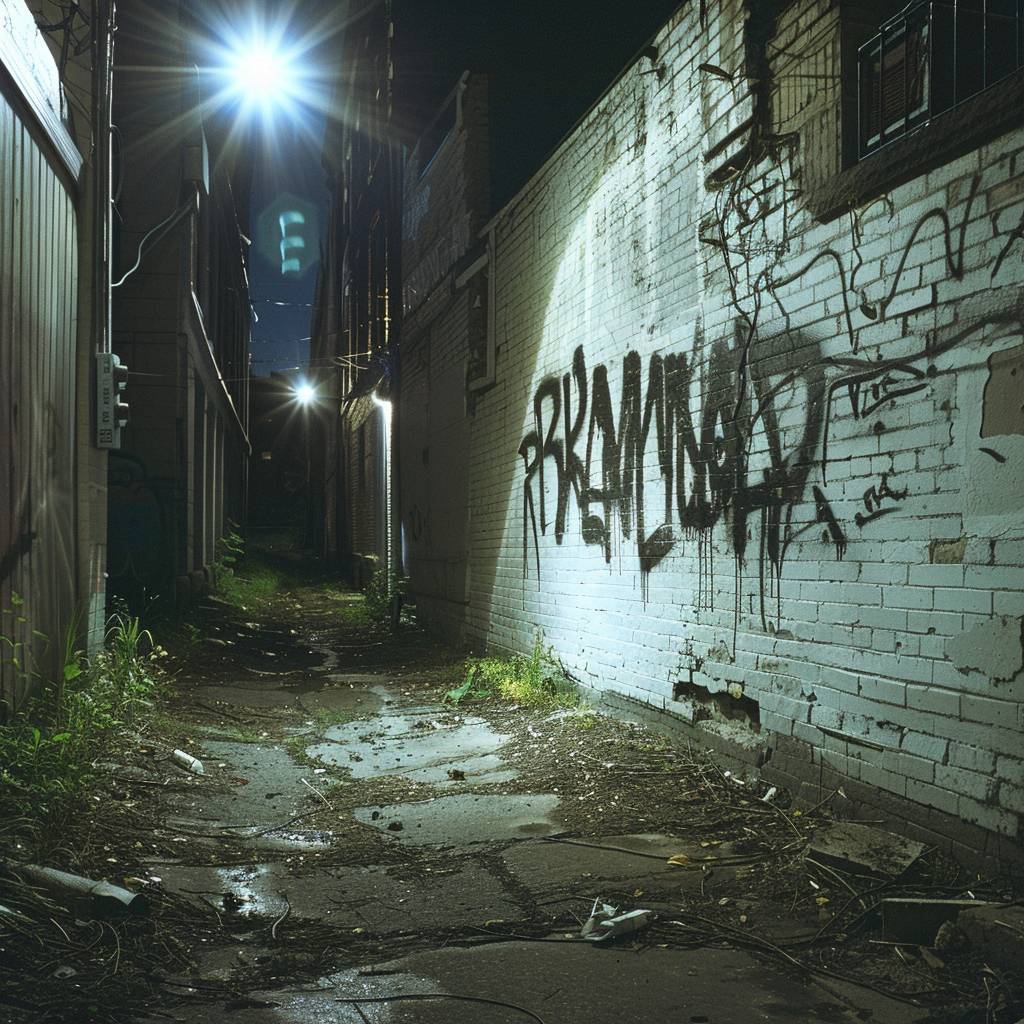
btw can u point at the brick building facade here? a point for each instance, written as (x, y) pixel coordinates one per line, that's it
(739, 425)
(181, 317)
(445, 301)
(352, 352)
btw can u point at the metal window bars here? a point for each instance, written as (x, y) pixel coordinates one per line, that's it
(931, 56)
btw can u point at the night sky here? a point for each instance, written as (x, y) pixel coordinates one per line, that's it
(549, 61)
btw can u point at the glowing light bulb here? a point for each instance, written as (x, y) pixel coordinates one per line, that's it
(261, 75)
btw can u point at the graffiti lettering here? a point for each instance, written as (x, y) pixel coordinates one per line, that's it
(873, 498)
(702, 455)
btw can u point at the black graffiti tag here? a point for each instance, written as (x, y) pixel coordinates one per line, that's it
(702, 455)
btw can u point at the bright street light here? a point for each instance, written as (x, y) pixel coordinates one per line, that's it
(305, 393)
(260, 74)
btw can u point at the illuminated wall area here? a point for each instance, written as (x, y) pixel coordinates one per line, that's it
(750, 448)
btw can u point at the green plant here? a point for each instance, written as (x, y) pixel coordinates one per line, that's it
(21, 648)
(49, 749)
(380, 594)
(252, 583)
(536, 680)
(230, 548)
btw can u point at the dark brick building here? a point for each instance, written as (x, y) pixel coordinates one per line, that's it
(180, 316)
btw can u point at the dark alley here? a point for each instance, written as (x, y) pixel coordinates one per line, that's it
(366, 830)
(511, 511)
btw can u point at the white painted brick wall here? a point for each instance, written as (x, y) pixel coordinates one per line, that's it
(603, 251)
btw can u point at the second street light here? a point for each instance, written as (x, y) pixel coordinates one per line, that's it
(305, 395)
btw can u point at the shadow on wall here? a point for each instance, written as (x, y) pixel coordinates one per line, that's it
(545, 308)
(140, 553)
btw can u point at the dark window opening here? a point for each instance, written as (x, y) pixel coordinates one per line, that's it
(930, 57)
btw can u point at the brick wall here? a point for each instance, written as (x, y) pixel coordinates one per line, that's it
(758, 469)
(444, 271)
(364, 476)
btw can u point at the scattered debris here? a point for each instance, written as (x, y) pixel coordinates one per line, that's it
(862, 849)
(919, 920)
(100, 899)
(456, 774)
(6, 913)
(605, 922)
(950, 938)
(996, 932)
(770, 795)
(316, 792)
(188, 762)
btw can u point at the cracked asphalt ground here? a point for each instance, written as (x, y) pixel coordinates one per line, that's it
(359, 850)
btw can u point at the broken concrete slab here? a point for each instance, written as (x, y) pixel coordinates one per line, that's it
(241, 695)
(863, 849)
(379, 899)
(627, 862)
(421, 743)
(569, 982)
(466, 818)
(344, 699)
(261, 783)
(918, 920)
(996, 933)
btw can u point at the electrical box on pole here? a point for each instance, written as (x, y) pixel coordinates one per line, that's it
(111, 408)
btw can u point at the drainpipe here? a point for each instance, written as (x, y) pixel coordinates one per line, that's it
(102, 186)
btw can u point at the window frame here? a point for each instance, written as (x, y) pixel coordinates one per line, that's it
(954, 66)
(839, 178)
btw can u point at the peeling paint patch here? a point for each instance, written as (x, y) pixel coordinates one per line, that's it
(1003, 401)
(995, 648)
(947, 552)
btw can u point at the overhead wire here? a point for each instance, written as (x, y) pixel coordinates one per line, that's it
(159, 231)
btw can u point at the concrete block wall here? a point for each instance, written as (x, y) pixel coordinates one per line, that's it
(757, 469)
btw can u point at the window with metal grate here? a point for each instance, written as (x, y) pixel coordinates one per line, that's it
(931, 56)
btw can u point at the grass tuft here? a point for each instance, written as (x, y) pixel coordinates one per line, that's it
(252, 584)
(534, 681)
(49, 750)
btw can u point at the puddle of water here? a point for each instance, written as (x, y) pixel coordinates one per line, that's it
(466, 818)
(253, 890)
(485, 769)
(423, 743)
(344, 698)
(310, 839)
(330, 656)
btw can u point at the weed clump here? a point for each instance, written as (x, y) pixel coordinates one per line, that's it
(49, 750)
(243, 581)
(537, 680)
(382, 595)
